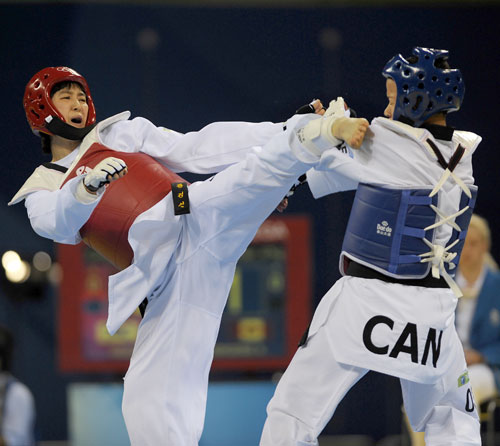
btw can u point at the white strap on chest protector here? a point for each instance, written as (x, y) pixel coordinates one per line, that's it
(441, 255)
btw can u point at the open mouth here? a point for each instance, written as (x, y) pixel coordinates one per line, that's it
(76, 120)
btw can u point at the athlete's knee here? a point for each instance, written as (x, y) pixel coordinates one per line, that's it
(452, 427)
(129, 406)
(281, 429)
(134, 399)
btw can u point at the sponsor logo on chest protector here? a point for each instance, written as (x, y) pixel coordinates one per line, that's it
(406, 343)
(384, 229)
(82, 170)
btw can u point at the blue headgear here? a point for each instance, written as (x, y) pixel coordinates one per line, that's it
(423, 89)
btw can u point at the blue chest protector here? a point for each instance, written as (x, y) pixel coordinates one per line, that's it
(387, 228)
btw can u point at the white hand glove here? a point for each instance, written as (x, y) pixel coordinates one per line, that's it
(332, 128)
(317, 135)
(106, 171)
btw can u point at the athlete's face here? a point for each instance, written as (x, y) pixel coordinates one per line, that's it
(392, 93)
(71, 102)
(475, 247)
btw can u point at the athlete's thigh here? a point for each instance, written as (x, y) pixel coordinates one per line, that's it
(314, 383)
(453, 390)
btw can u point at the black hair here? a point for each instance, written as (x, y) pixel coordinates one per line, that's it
(65, 84)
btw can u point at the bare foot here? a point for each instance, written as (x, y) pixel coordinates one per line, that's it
(350, 130)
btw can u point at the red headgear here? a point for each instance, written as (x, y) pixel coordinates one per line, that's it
(38, 105)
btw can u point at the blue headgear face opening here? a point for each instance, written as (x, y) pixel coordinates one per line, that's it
(423, 89)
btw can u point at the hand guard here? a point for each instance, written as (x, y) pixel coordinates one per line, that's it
(104, 173)
(336, 108)
(308, 108)
(317, 135)
(339, 108)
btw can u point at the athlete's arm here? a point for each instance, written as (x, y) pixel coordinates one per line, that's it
(237, 200)
(58, 215)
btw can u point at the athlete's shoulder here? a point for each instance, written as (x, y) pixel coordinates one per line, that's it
(42, 178)
(469, 140)
(120, 117)
(399, 128)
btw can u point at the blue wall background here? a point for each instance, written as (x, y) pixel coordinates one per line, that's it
(185, 67)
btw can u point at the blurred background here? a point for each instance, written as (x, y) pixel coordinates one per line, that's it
(183, 65)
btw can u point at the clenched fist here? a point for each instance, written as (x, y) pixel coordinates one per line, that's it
(107, 171)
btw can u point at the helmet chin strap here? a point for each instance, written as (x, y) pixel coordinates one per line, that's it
(60, 128)
(406, 120)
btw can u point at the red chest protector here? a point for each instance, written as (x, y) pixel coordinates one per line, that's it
(145, 184)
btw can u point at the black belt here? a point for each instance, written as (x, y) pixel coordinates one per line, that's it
(357, 270)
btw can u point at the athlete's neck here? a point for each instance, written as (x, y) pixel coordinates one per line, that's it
(62, 147)
(437, 119)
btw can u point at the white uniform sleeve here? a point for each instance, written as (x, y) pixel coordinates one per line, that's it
(58, 215)
(208, 150)
(340, 169)
(323, 183)
(19, 419)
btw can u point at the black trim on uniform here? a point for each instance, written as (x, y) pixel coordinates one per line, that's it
(55, 167)
(357, 270)
(456, 157)
(441, 132)
(142, 307)
(440, 158)
(454, 160)
(305, 336)
(406, 120)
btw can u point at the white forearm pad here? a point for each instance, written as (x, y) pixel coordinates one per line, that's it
(84, 196)
(317, 135)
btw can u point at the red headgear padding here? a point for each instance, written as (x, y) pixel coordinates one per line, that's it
(37, 102)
